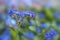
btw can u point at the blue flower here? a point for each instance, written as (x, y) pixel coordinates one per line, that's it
(29, 35)
(41, 15)
(51, 34)
(38, 29)
(22, 15)
(57, 15)
(11, 12)
(6, 35)
(47, 35)
(43, 25)
(29, 13)
(49, 39)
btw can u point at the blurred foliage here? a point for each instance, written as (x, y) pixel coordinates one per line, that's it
(36, 28)
(49, 18)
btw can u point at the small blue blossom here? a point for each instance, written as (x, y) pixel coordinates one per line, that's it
(57, 15)
(53, 32)
(50, 34)
(11, 12)
(49, 39)
(6, 35)
(29, 13)
(29, 35)
(22, 15)
(47, 35)
(38, 29)
(41, 15)
(43, 25)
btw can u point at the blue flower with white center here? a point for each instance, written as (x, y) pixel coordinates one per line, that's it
(57, 15)
(29, 35)
(38, 29)
(41, 15)
(29, 13)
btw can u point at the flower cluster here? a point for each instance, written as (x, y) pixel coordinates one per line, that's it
(49, 35)
(34, 24)
(31, 25)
